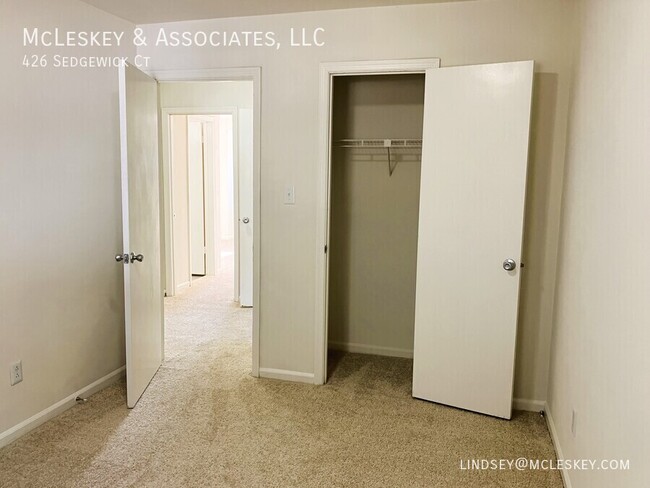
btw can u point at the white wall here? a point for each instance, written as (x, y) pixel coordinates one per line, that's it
(61, 299)
(459, 33)
(206, 94)
(600, 361)
(374, 215)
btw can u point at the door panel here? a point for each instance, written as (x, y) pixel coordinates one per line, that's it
(180, 203)
(474, 162)
(196, 193)
(141, 229)
(245, 207)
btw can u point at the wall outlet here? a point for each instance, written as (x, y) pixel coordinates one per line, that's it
(573, 422)
(16, 371)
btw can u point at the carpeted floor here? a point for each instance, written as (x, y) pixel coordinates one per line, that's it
(205, 422)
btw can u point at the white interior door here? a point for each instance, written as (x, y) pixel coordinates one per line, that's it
(143, 298)
(211, 197)
(180, 248)
(197, 194)
(245, 196)
(473, 181)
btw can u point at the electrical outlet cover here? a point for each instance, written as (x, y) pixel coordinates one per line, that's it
(16, 371)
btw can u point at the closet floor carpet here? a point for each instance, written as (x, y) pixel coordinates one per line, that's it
(205, 422)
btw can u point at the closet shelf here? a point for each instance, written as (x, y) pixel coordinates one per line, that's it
(381, 143)
(387, 144)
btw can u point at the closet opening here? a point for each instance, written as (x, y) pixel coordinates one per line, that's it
(376, 139)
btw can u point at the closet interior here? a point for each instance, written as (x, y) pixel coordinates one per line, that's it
(375, 191)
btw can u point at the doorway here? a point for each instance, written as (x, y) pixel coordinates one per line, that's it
(147, 208)
(208, 134)
(332, 140)
(209, 210)
(441, 286)
(202, 160)
(375, 187)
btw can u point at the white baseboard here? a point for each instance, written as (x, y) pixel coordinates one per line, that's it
(182, 286)
(528, 404)
(368, 349)
(43, 416)
(556, 444)
(286, 375)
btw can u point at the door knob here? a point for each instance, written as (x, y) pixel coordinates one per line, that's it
(122, 257)
(509, 265)
(136, 257)
(245, 220)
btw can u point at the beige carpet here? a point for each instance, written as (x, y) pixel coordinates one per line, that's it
(204, 421)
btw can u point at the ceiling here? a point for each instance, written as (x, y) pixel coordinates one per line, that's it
(155, 11)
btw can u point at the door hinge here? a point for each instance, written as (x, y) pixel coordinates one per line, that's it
(325, 248)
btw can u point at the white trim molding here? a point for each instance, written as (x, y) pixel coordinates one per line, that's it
(286, 375)
(528, 405)
(253, 74)
(180, 287)
(327, 72)
(58, 408)
(370, 349)
(556, 444)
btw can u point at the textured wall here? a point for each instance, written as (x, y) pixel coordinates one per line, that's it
(600, 361)
(61, 298)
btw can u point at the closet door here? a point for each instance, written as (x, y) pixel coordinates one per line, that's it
(473, 182)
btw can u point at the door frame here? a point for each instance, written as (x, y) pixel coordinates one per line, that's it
(168, 187)
(327, 72)
(253, 74)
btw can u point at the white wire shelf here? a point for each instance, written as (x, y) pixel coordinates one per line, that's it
(385, 144)
(380, 143)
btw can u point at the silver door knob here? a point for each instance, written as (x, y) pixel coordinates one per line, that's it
(136, 257)
(122, 257)
(509, 265)
(245, 220)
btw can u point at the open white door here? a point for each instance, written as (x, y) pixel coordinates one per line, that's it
(196, 165)
(143, 299)
(473, 182)
(245, 194)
